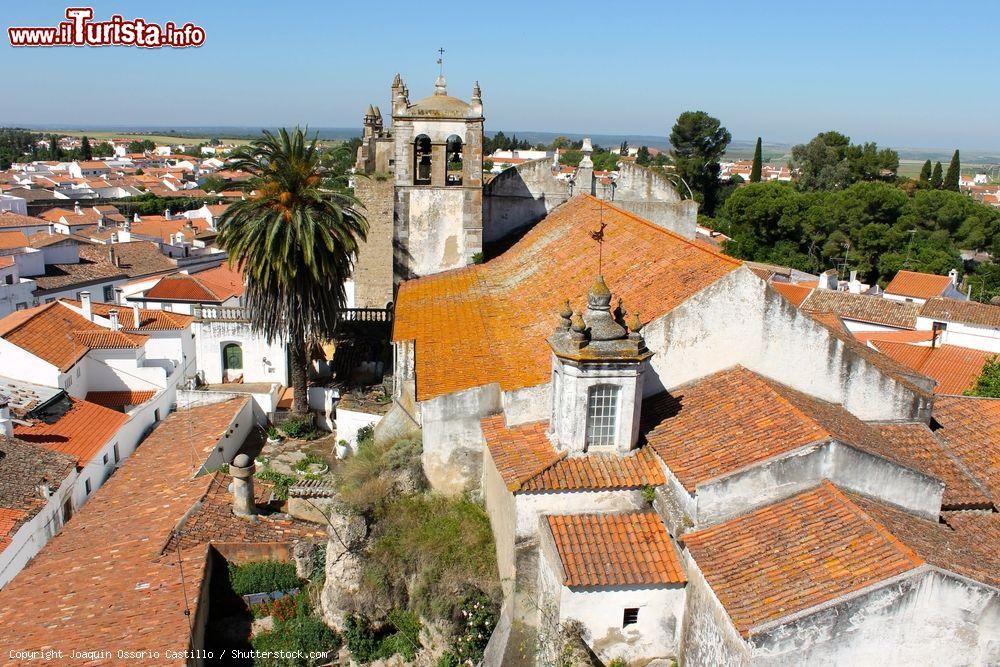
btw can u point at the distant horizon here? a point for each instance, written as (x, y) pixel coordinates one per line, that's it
(652, 141)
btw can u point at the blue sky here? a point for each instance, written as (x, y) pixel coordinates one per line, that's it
(914, 74)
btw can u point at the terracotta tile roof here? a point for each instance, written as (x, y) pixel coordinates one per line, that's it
(918, 285)
(899, 336)
(629, 549)
(981, 528)
(735, 418)
(11, 219)
(93, 267)
(10, 521)
(47, 332)
(119, 399)
(862, 308)
(6, 261)
(99, 581)
(46, 239)
(488, 323)
(918, 442)
(970, 429)
(520, 452)
(962, 549)
(105, 339)
(86, 216)
(955, 368)
(23, 467)
(831, 320)
(212, 286)
(149, 320)
(13, 240)
(158, 227)
(81, 432)
(795, 554)
(135, 258)
(796, 294)
(967, 312)
(527, 461)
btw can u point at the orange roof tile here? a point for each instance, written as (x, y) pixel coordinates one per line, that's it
(11, 219)
(105, 339)
(735, 418)
(488, 323)
(81, 432)
(795, 554)
(13, 240)
(863, 308)
(47, 332)
(10, 520)
(629, 549)
(918, 442)
(105, 575)
(214, 286)
(970, 429)
(918, 285)
(527, 461)
(149, 320)
(796, 294)
(900, 336)
(119, 399)
(955, 368)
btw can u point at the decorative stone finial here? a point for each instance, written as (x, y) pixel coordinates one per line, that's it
(565, 317)
(634, 323)
(599, 296)
(439, 86)
(476, 93)
(578, 327)
(398, 81)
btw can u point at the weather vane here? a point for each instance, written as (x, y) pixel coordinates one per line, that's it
(441, 61)
(599, 237)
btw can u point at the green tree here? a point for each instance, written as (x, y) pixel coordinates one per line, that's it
(758, 160)
(936, 177)
(54, 151)
(954, 170)
(86, 152)
(988, 382)
(925, 172)
(293, 241)
(642, 156)
(697, 142)
(985, 282)
(830, 162)
(215, 184)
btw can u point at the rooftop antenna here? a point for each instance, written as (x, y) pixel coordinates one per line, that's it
(599, 237)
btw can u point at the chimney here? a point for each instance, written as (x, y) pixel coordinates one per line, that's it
(135, 316)
(953, 275)
(6, 424)
(88, 312)
(854, 287)
(168, 215)
(113, 316)
(119, 296)
(242, 469)
(76, 208)
(828, 279)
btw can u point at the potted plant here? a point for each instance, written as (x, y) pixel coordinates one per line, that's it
(343, 448)
(273, 435)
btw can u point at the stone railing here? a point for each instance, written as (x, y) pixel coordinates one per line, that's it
(203, 313)
(366, 314)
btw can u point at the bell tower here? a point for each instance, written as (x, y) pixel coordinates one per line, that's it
(438, 180)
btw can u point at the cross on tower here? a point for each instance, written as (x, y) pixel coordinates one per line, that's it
(441, 61)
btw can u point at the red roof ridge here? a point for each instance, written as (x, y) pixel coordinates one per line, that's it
(670, 232)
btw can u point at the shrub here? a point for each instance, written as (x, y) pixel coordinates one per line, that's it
(400, 635)
(365, 480)
(280, 481)
(284, 608)
(366, 433)
(618, 662)
(263, 576)
(300, 634)
(303, 427)
(318, 574)
(448, 659)
(479, 617)
(649, 494)
(310, 459)
(477, 258)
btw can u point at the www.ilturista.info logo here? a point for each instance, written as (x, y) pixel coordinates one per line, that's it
(81, 30)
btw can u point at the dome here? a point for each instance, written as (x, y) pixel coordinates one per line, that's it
(444, 106)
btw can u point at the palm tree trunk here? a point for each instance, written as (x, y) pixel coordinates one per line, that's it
(300, 372)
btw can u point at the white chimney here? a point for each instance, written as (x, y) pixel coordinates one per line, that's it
(113, 316)
(828, 279)
(135, 218)
(77, 209)
(953, 275)
(135, 316)
(854, 287)
(168, 215)
(85, 303)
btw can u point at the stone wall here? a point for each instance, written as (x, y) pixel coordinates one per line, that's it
(373, 268)
(453, 437)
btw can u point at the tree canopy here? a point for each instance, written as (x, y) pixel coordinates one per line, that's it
(830, 162)
(697, 143)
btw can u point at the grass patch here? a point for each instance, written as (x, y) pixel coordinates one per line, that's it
(399, 635)
(366, 479)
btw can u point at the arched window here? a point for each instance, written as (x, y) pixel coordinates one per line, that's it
(422, 160)
(602, 415)
(454, 155)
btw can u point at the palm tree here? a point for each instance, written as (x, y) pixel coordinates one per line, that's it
(293, 238)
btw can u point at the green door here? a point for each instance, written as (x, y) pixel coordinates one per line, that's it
(232, 356)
